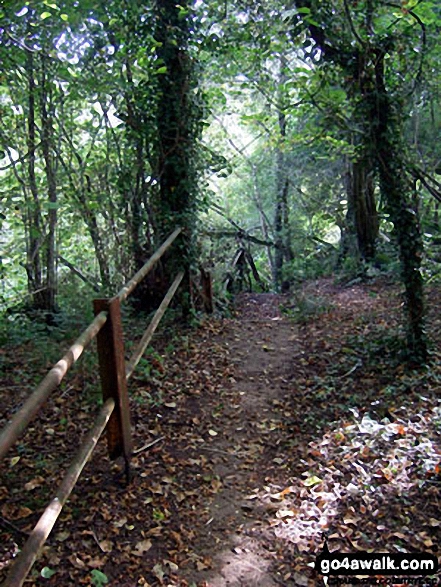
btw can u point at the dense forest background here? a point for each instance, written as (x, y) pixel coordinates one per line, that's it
(295, 139)
(296, 147)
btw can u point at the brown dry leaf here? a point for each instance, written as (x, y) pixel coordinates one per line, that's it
(285, 514)
(23, 512)
(97, 562)
(106, 545)
(349, 520)
(177, 538)
(142, 547)
(34, 483)
(76, 562)
(120, 523)
(387, 474)
(173, 566)
(365, 452)
(158, 572)
(216, 484)
(288, 490)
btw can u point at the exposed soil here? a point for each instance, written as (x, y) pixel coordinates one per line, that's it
(291, 422)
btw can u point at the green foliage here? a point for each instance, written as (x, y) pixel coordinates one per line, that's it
(47, 572)
(98, 578)
(280, 109)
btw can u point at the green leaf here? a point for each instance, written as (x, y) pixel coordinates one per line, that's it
(98, 578)
(47, 573)
(52, 205)
(45, 15)
(311, 481)
(162, 70)
(310, 20)
(426, 13)
(183, 12)
(64, 17)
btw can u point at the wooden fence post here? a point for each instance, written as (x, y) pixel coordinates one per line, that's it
(113, 380)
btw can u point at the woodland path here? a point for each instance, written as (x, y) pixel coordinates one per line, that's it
(247, 451)
(270, 430)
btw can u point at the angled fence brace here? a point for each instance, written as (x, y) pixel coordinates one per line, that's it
(38, 398)
(113, 380)
(26, 558)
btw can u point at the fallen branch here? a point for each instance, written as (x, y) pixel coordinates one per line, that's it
(354, 368)
(7, 525)
(79, 273)
(149, 445)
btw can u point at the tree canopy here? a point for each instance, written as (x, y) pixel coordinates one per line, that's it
(302, 133)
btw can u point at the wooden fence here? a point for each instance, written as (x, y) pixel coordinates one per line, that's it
(114, 415)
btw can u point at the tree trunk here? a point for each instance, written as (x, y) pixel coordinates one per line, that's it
(362, 210)
(398, 194)
(47, 148)
(95, 235)
(33, 261)
(363, 62)
(282, 231)
(264, 223)
(177, 123)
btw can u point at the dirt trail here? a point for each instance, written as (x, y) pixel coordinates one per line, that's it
(261, 345)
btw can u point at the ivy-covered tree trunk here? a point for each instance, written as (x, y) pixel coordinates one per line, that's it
(397, 190)
(360, 55)
(178, 126)
(282, 229)
(362, 210)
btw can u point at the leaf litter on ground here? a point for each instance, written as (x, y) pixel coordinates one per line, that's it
(256, 438)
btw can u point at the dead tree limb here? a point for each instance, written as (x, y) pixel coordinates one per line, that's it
(79, 273)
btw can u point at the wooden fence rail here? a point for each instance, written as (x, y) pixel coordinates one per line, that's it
(114, 415)
(36, 400)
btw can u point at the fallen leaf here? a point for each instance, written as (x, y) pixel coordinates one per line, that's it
(62, 536)
(142, 547)
(311, 481)
(285, 514)
(76, 562)
(23, 512)
(120, 523)
(158, 571)
(30, 485)
(106, 545)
